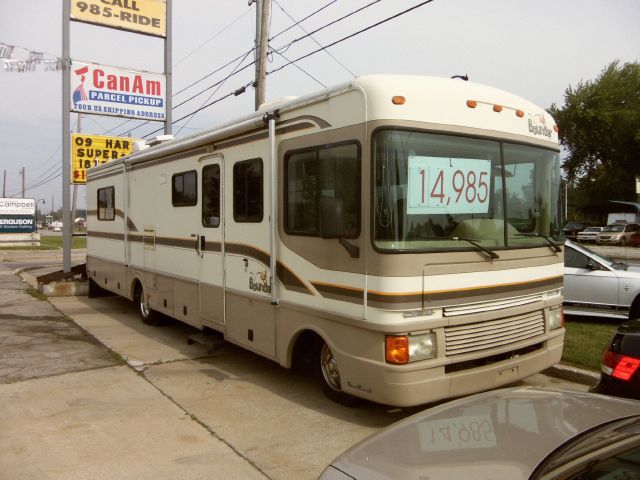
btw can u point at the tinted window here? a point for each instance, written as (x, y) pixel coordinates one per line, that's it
(247, 191)
(323, 172)
(184, 189)
(106, 203)
(575, 259)
(211, 196)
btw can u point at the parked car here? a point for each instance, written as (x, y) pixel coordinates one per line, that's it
(620, 370)
(617, 233)
(516, 433)
(596, 285)
(589, 234)
(572, 229)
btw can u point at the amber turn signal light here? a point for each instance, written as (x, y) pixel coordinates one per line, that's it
(397, 349)
(398, 100)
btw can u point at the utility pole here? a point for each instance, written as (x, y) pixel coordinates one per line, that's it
(263, 12)
(22, 173)
(4, 185)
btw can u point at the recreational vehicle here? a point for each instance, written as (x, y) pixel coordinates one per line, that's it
(395, 234)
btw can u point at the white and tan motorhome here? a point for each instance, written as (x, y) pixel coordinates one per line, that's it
(396, 233)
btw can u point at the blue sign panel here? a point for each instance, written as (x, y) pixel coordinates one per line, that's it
(17, 223)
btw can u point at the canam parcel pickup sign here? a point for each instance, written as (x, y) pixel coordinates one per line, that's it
(17, 215)
(117, 92)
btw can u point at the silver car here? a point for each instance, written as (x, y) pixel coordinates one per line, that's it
(512, 434)
(598, 286)
(589, 234)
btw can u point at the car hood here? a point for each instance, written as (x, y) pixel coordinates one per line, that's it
(503, 434)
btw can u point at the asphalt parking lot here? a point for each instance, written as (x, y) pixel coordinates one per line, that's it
(127, 400)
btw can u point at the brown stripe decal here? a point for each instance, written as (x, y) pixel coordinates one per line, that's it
(414, 299)
(109, 235)
(339, 292)
(288, 278)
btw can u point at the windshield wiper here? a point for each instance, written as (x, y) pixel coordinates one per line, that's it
(491, 253)
(547, 238)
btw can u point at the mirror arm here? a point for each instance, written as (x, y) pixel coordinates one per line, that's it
(354, 251)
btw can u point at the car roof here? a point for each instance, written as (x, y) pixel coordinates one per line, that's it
(502, 434)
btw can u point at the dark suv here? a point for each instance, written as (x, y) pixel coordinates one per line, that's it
(620, 369)
(571, 229)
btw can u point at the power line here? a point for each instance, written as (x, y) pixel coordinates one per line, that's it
(300, 21)
(388, 19)
(316, 42)
(215, 91)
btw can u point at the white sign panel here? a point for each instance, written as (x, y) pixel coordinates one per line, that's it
(17, 206)
(439, 185)
(117, 92)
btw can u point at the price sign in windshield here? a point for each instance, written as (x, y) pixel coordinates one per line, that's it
(439, 185)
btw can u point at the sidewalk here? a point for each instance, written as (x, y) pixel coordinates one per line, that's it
(72, 410)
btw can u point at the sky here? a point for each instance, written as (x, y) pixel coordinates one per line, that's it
(535, 49)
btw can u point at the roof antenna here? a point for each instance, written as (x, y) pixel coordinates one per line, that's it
(464, 77)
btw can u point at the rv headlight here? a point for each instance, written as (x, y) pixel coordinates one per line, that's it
(422, 347)
(556, 318)
(401, 349)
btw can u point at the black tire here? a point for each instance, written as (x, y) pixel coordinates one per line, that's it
(147, 314)
(326, 372)
(634, 310)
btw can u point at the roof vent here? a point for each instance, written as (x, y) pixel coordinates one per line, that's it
(159, 139)
(140, 145)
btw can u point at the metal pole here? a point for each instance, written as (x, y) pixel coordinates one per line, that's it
(22, 173)
(263, 12)
(168, 72)
(66, 147)
(75, 189)
(273, 206)
(4, 185)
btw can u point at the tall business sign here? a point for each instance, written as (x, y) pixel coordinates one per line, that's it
(89, 151)
(117, 92)
(17, 215)
(141, 16)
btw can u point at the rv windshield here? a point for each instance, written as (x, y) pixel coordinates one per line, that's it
(431, 190)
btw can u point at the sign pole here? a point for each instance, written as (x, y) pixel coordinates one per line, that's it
(168, 58)
(66, 154)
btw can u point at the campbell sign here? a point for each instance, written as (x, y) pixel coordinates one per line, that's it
(117, 92)
(17, 215)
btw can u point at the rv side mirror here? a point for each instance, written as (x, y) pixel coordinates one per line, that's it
(331, 217)
(591, 265)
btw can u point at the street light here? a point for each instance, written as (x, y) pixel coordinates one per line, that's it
(44, 203)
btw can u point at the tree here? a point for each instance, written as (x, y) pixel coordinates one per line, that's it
(600, 129)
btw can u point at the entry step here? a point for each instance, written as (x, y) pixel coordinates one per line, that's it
(212, 342)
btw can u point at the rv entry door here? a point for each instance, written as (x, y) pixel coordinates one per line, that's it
(210, 243)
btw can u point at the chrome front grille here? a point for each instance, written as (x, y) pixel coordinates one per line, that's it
(491, 305)
(493, 333)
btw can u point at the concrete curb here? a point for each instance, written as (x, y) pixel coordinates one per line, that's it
(573, 374)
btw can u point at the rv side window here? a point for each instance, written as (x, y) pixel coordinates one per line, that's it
(211, 196)
(247, 191)
(311, 174)
(184, 189)
(106, 203)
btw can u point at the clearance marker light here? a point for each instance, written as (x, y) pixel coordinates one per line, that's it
(472, 103)
(497, 108)
(519, 113)
(398, 100)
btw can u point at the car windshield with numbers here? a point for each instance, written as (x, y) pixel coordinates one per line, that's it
(433, 192)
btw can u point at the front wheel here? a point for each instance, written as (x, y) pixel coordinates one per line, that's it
(328, 374)
(147, 315)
